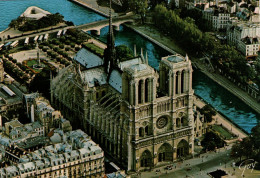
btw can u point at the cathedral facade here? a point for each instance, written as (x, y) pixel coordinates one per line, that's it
(140, 117)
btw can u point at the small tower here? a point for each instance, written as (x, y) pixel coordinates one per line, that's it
(139, 84)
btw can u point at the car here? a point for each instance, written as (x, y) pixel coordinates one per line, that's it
(189, 168)
(168, 167)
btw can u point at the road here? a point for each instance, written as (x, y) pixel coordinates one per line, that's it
(201, 166)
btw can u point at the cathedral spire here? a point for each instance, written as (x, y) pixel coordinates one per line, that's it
(110, 21)
(110, 52)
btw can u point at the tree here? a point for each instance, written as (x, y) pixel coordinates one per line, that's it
(153, 3)
(41, 82)
(124, 53)
(139, 7)
(208, 112)
(211, 141)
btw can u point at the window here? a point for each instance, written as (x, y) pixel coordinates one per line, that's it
(146, 130)
(141, 132)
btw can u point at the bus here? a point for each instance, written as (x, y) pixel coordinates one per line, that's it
(6, 46)
(14, 44)
(40, 38)
(59, 33)
(26, 42)
(46, 37)
(64, 32)
(35, 39)
(1, 46)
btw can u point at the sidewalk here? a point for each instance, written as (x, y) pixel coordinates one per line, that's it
(201, 166)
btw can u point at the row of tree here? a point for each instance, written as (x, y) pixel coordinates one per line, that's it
(194, 41)
(183, 30)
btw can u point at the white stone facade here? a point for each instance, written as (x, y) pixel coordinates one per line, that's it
(245, 36)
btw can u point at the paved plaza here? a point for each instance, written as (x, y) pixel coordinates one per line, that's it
(28, 54)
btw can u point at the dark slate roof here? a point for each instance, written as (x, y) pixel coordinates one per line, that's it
(88, 59)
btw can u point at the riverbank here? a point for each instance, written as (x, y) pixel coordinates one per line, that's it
(219, 118)
(214, 76)
(92, 5)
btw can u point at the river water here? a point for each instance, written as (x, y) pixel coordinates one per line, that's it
(211, 92)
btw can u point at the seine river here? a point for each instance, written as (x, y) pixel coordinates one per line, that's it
(204, 87)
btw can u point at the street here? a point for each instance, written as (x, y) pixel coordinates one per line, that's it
(201, 166)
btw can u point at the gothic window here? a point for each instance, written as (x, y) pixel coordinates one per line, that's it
(178, 122)
(166, 81)
(140, 91)
(161, 122)
(184, 121)
(182, 81)
(177, 82)
(146, 130)
(146, 90)
(141, 132)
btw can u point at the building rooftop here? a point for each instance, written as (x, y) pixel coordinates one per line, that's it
(115, 80)
(73, 145)
(175, 58)
(88, 59)
(95, 76)
(139, 67)
(9, 95)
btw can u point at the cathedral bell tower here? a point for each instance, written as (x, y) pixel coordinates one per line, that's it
(110, 51)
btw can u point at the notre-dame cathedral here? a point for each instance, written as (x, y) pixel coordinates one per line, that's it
(139, 116)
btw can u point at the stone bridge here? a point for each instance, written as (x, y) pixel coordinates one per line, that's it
(97, 26)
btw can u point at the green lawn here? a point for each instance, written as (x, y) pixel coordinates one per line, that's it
(94, 48)
(223, 132)
(30, 64)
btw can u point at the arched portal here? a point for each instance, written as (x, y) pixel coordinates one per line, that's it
(146, 159)
(182, 148)
(165, 153)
